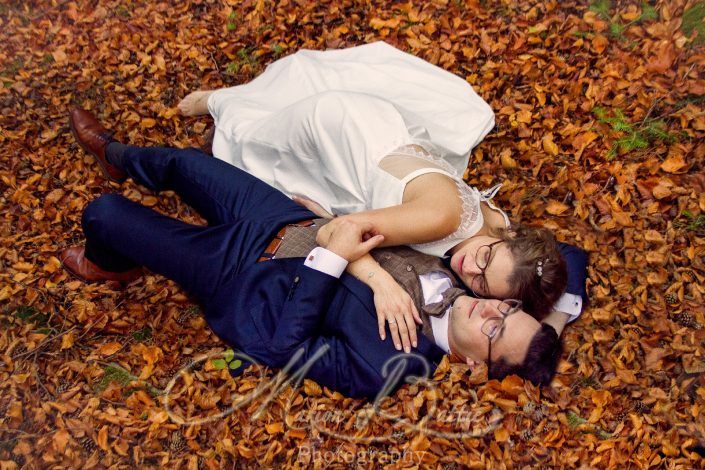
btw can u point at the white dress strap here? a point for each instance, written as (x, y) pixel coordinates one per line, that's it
(491, 192)
(487, 195)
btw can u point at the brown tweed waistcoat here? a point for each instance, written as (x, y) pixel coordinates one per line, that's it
(403, 263)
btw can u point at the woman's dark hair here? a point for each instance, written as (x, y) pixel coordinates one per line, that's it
(535, 251)
(539, 365)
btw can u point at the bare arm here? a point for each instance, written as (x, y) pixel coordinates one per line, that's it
(429, 216)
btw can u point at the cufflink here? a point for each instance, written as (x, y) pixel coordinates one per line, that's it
(310, 258)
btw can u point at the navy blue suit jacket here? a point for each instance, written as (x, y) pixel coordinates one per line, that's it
(273, 309)
(576, 264)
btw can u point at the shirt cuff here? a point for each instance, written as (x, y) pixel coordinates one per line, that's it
(570, 304)
(326, 262)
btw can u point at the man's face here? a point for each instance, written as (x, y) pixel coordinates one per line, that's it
(466, 338)
(467, 262)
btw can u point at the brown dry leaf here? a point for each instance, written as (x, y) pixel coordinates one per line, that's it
(102, 440)
(109, 349)
(68, 340)
(506, 159)
(61, 440)
(674, 163)
(549, 146)
(556, 207)
(147, 123)
(599, 43)
(545, 68)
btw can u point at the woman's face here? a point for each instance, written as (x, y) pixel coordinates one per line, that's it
(497, 260)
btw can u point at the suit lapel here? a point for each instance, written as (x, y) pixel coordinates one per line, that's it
(426, 347)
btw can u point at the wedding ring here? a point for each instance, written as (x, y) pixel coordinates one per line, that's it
(391, 322)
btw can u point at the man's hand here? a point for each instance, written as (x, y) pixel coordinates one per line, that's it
(349, 239)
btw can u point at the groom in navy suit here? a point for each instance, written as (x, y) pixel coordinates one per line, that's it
(308, 309)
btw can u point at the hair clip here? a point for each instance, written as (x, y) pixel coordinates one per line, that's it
(539, 268)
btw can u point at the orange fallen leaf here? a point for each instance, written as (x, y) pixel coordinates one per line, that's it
(599, 43)
(61, 439)
(674, 163)
(109, 349)
(556, 207)
(147, 123)
(68, 340)
(501, 434)
(102, 440)
(549, 146)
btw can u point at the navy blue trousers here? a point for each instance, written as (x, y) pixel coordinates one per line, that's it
(243, 215)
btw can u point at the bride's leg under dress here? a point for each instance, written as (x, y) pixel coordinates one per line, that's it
(326, 147)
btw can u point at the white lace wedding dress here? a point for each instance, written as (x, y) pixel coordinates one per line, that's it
(350, 128)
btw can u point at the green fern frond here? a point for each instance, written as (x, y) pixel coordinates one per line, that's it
(601, 7)
(648, 13)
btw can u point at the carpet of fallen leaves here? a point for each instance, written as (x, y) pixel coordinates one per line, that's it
(599, 136)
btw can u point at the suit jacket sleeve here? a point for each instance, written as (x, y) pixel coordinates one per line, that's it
(576, 264)
(299, 334)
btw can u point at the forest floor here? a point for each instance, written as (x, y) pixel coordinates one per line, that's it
(599, 136)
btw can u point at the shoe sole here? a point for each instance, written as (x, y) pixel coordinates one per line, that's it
(95, 157)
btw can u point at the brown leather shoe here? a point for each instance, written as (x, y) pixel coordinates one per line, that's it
(93, 138)
(75, 262)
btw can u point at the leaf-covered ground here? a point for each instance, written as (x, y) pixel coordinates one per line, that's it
(599, 136)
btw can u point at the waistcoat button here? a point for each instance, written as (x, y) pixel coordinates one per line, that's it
(408, 267)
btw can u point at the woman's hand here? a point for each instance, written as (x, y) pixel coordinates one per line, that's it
(313, 206)
(395, 306)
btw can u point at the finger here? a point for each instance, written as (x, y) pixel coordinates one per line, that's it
(395, 333)
(372, 242)
(380, 325)
(411, 326)
(415, 312)
(403, 332)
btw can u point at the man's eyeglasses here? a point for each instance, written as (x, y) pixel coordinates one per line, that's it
(493, 326)
(482, 260)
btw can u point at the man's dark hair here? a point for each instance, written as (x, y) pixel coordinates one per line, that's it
(539, 365)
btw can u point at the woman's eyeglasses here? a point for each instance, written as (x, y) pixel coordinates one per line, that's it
(482, 260)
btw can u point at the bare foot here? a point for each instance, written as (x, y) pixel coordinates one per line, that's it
(195, 103)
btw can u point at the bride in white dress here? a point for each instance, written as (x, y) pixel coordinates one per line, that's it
(374, 133)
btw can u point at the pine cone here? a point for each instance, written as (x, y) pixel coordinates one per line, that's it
(641, 408)
(686, 319)
(88, 444)
(671, 298)
(527, 434)
(183, 318)
(63, 386)
(177, 443)
(19, 460)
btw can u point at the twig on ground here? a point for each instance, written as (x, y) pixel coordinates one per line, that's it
(43, 344)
